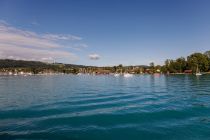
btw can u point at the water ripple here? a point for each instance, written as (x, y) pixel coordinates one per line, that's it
(105, 107)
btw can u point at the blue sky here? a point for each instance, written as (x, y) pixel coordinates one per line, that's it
(104, 32)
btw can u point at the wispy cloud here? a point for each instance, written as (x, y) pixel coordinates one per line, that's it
(94, 56)
(34, 23)
(79, 46)
(61, 37)
(3, 22)
(10, 51)
(22, 44)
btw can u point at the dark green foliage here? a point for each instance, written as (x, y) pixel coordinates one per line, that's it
(208, 55)
(198, 60)
(35, 67)
(202, 61)
(6, 63)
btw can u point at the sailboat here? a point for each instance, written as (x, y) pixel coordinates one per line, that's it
(127, 75)
(198, 73)
(116, 74)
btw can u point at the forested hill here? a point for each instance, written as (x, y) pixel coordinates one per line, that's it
(8, 63)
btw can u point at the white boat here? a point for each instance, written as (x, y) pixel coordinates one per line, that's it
(127, 75)
(198, 73)
(116, 74)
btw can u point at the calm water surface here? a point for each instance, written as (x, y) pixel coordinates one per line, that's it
(105, 107)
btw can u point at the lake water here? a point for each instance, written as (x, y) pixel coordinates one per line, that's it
(105, 107)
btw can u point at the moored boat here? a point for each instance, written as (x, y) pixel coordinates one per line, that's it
(127, 75)
(198, 73)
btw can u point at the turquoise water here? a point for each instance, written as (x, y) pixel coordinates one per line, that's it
(105, 107)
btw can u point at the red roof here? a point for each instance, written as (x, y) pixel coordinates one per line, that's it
(188, 71)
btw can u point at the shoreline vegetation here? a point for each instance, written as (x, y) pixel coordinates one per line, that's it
(179, 66)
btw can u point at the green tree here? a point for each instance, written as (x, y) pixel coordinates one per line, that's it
(120, 67)
(207, 53)
(198, 60)
(171, 66)
(181, 64)
(152, 67)
(152, 64)
(167, 64)
(164, 69)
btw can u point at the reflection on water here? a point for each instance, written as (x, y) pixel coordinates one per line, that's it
(105, 107)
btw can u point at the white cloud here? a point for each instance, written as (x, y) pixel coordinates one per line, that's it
(94, 56)
(8, 51)
(21, 44)
(61, 37)
(81, 45)
(3, 22)
(34, 23)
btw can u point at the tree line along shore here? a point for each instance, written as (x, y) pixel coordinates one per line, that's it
(180, 65)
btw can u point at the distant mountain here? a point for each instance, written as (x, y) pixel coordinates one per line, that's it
(8, 63)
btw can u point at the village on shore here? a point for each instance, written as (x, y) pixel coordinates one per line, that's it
(193, 63)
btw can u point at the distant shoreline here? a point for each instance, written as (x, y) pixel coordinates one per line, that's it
(91, 74)
(174, 67)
